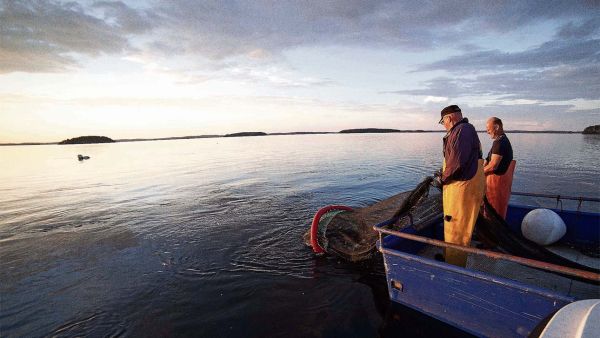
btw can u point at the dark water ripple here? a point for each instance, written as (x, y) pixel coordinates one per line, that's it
(204, 237)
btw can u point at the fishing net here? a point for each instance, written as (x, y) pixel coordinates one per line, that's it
(492, 230)
(350, 234)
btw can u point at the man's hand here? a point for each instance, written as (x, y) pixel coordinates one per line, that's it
(492, 165)
(437, 182)
(437, 179)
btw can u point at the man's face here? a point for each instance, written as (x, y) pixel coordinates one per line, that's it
(447, 121)
(490, 128)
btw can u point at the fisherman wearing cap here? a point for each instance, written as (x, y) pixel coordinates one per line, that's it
(462, 181)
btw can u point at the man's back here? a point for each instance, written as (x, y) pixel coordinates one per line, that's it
(462, 150)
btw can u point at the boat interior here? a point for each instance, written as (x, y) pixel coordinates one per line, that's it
(579, 245)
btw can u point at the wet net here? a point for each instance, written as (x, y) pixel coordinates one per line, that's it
(350, 234)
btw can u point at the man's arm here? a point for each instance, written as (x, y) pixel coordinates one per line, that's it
(492, 165)
(458, 155)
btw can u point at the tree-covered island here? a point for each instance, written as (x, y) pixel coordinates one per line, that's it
(369, 130)
(87, 139)
(247, 133)
(592, 129)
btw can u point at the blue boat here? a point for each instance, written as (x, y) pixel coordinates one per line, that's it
(496, 294)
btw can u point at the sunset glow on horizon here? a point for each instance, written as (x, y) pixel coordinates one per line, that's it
(150, 69)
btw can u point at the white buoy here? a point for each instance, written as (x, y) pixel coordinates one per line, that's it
(543, 226)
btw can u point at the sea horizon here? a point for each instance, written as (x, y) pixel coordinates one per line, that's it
(345, 131)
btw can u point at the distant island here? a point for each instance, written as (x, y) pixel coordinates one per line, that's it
(247, 133)
(302, 133)
(87, 139)
(592, 129)
(368, 130)
(538, 132)
(382, 130)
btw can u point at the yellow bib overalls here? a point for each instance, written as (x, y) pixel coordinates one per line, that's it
(462, 200)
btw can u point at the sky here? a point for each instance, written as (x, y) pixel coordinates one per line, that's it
(145, 69)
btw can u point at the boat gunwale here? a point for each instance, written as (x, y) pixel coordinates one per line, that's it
(557, 210)
(479, 275)
(595, 277)
(557, 197)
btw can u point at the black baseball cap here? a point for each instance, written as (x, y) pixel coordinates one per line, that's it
(449, 110)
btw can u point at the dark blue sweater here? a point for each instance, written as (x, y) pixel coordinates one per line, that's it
(462, 150)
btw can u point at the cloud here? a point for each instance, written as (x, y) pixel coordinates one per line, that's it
(554, 84)
(574, 30)
(552, 53)
(562, 69)
(204, 40)
(435, 99)
(574, 43)
(217, 30)
(47, 36)
(536, 116)
(276, 76)
(129, 20)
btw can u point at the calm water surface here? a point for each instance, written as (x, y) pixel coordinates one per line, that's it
(203, 237)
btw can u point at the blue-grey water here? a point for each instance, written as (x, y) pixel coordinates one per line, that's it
(203, 237)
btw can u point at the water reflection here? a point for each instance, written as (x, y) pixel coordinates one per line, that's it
(592, 139)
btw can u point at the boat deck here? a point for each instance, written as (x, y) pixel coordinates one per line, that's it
(532, 276)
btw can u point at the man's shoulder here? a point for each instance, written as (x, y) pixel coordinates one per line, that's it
(465, 126)
(504, 139)
(501, 144)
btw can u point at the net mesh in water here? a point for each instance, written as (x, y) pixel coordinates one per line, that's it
(350, 234)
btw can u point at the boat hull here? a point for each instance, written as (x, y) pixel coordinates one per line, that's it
(478, 302)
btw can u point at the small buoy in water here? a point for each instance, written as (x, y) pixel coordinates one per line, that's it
(81, 157)
(543, 226)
